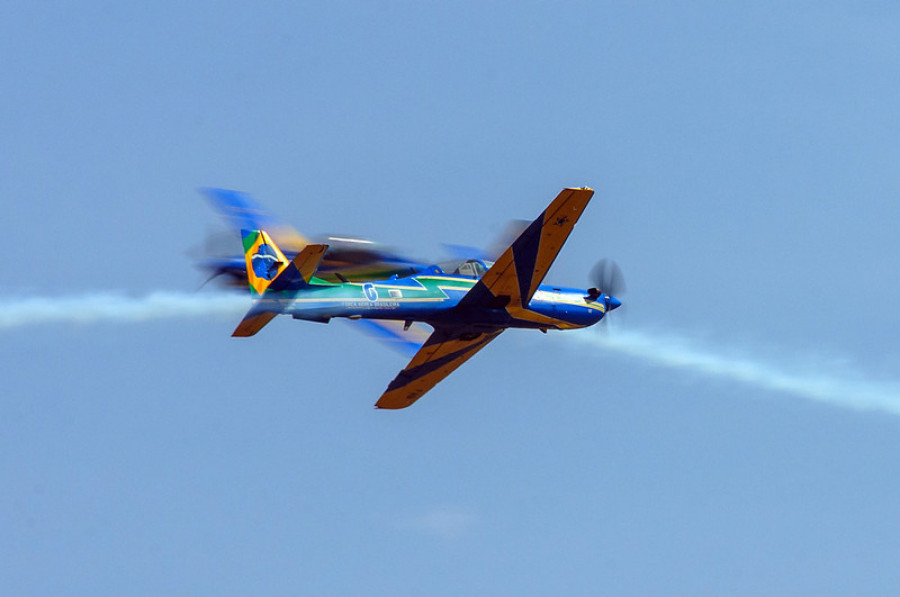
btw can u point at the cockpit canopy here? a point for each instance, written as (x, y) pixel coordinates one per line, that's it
(473, 268)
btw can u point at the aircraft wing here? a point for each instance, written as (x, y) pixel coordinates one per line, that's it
(444, 351)
(516, 275)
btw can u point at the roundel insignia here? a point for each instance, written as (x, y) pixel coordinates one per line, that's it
(371, 292)
(265, 262)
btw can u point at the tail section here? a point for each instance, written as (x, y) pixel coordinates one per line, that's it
(268, 273)
(265, 261)
(269, 269)
(301, 269)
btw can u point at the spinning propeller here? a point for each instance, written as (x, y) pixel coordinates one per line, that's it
(610, 283)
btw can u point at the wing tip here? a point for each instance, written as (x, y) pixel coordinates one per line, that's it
(394, 402)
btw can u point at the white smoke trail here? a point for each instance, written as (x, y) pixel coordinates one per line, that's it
(822, 380)
(819, 380)
(117, 308)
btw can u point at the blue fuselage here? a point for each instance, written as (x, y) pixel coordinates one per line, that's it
(434, 298)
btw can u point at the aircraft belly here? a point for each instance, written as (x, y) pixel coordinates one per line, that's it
(473, 317)
(566, 314)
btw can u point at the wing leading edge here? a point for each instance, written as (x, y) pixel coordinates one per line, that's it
(444, 351)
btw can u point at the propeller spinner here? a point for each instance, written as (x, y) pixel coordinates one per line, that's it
(609, 280)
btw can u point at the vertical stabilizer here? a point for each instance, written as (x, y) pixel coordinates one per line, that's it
(265, 261)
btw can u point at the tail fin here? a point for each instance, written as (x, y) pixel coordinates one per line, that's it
(268, 270)
(265, 261)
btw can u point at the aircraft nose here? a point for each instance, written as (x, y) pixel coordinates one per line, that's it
(614, 303)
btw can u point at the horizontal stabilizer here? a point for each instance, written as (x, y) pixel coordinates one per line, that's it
(300, 270)
(307, 261)
(252, 322)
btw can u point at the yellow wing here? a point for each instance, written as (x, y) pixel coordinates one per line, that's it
(516, 275)
(443, 352)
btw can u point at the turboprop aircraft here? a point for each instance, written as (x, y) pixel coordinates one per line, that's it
(467, 307)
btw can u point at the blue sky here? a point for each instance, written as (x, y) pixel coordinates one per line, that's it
(745, 166)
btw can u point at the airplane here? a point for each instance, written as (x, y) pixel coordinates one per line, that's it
(347, 258)
(467, 307)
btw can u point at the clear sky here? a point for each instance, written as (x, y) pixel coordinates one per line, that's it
(745, 161)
